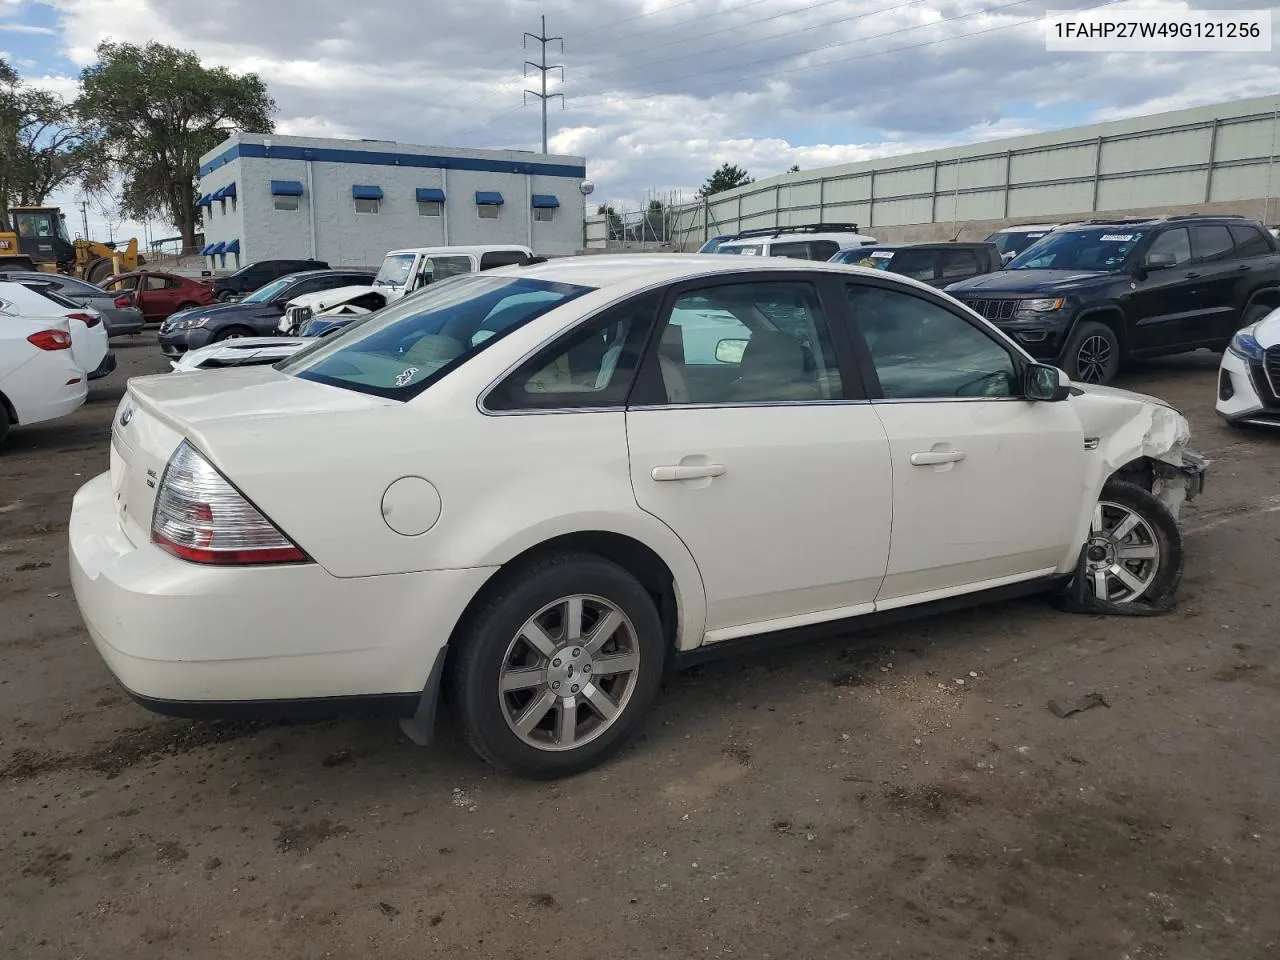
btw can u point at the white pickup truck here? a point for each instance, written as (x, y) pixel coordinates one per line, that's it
(402, 272)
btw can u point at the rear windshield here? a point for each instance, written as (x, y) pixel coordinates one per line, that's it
(399, 351)
(48, 293)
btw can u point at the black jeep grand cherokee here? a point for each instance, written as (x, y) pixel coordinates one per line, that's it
(1090, 295)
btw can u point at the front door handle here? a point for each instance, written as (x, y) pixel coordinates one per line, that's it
(1192, 274)
(695, 471)
(1245, 266)
(932, 458)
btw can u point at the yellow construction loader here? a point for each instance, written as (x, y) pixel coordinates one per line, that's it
(39, 241)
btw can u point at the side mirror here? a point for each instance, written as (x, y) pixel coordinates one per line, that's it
(730, 351)
(1160, 261)
(1045, 383)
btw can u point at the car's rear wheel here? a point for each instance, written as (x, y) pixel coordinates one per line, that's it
(224, 296)
(554, 671)
(1093, 353)
(1132, 561)
(186, 305)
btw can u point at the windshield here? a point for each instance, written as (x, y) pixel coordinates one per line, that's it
(264, 294)
(712, 245)
(399, 351)
(1015, 242)
(1103, 249)
(395, 270)
(45, 223)
(747, 249)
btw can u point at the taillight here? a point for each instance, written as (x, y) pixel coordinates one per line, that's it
(199, 516)
(88, 319)
(51, 340)
(123, 301)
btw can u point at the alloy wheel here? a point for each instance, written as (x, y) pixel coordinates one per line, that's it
(1093, 358)
(569, 673)
(1122, 555)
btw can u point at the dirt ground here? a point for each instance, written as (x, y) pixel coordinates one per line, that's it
(903, 793)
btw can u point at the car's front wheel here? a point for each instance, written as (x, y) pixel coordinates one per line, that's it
(1132, 561)
(554, 671)
(1093, 353)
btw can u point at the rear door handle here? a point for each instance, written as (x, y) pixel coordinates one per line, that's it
(1192, 274)
(931, 458)
(1245, 266)
(697, 471)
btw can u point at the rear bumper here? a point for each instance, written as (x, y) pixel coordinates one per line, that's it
(190, 640)
(107, 365)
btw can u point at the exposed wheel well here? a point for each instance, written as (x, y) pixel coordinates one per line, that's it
(1264, 298)
(632, 555)
(1109, 317)
(1140, 472)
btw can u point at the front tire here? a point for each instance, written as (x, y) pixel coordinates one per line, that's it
(1092, 355)
(232, 333)
(1132, 563)
(556, 668)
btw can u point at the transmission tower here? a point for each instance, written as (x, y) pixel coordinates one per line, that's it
(543, 69)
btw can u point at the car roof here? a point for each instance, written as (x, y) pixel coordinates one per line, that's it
(341, 272)
(637, 271)
(473, 248)
(1026, 227)
(860, 238)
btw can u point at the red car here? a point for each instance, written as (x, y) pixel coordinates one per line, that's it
(158, 294)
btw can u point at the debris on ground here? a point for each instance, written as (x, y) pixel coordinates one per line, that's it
(1065, 708)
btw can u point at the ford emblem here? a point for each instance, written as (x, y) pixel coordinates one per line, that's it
(126, 416)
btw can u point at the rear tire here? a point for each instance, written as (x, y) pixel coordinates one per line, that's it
(4, 423)
(1132, 563)
(1092, 355)
(523, 703)
(224, 296)
(186, 305)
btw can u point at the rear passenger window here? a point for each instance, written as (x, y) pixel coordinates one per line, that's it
(957, 263)
(823, 249)
(748, 343)
(916, 264)
(1211, 242)
(501, 258)
(1249, 241)
(593, 366)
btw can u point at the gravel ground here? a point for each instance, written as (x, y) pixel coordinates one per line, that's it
(902, 793)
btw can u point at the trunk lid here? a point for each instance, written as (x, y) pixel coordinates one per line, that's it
(158, 412)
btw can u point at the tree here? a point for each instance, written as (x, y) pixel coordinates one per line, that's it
(794, 168)
(158, 109)
(726, 178)
(613, 221)
(43, 146)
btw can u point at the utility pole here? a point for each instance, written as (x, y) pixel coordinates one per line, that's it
(543, 68)
(84, 217)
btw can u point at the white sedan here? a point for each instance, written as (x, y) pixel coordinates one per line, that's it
(89, 340)
(538, 486)
(1249, 376)
(39, 378)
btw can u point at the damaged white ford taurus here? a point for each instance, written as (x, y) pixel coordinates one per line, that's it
(533, 488)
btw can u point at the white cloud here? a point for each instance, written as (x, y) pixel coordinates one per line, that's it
(26, 28)
(659, 93)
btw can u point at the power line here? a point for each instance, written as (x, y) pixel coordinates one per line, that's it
(770, 37)
(813, 66)
(654, 13)
(543, 69)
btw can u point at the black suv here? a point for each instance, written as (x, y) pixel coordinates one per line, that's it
(254, 275)
(937, 264)
(1090, 295)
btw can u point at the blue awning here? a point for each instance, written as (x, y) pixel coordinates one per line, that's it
(427, 194)
(218, 248)
(233, 247)
(286, 188)
(545, 201)
(488, 198)
(366, 191)
(225, 193)
(205, 201)
(208, 249)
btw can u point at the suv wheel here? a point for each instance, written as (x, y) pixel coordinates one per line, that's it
(1093, 353)
(555, 670)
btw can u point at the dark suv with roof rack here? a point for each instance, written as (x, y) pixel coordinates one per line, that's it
(1090, 295)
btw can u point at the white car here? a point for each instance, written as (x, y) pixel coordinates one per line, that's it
(239, 352)
(523, 485)
(89, 341)
(1249, 375)
(354, 300)
(819, 241)
(39, 378)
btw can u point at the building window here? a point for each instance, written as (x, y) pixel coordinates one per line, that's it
(366, 204)
(290, 203)
(544, 214)
(430, 208)
(488, 211)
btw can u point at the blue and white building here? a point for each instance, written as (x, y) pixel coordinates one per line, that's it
(348, 202)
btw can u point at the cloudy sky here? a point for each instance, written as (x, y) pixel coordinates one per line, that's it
(657, 92)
